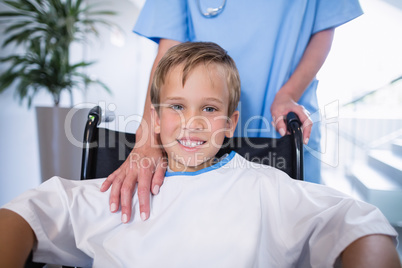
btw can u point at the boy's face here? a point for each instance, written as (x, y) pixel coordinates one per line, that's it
(193, 119)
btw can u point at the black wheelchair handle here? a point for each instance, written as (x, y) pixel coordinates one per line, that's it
(90, 142)
(95, 114)
(94, 119)
(292, 118)
(295, 128)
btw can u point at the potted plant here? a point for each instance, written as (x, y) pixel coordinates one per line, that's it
(45, 30)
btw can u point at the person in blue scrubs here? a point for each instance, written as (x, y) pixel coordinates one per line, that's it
(278, 47)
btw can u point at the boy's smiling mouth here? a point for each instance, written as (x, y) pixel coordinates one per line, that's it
(190, 143)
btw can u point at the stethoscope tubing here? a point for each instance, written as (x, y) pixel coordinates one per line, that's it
(211, 12)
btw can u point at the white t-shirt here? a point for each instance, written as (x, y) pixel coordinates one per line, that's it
(233, 214)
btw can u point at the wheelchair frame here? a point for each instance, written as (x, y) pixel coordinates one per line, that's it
(266, 146)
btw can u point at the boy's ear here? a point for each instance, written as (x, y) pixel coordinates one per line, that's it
(155, 121)
(231, 124)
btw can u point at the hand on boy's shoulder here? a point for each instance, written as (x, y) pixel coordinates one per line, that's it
(145, 166)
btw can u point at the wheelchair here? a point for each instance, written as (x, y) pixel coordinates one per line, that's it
(104, 150)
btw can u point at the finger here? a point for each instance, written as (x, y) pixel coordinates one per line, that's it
(115, 191)
(114, 198)
(307, 123)
(307, 127)
(159, 176)
(280, 125)
(144, 187)
(126, 195)
(109, 180)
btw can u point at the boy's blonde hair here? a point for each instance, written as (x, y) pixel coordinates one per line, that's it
(190, 55)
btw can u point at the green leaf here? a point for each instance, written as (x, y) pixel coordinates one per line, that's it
(12, 14)
(45, 29)
(17, 26)
(30, 6)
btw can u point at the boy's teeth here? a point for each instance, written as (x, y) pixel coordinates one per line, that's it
(190, 143)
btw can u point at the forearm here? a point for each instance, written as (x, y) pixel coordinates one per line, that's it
(17, 239)
(371, 251)
(312, 60)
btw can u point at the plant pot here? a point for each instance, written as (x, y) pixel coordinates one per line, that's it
(60, 135)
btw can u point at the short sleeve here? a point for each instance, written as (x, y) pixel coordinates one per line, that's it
(333, 13)
(320, 221)
(163, 19)
(46, 209)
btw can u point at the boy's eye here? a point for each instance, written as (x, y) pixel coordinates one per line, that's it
(176, 107)
(209, 109)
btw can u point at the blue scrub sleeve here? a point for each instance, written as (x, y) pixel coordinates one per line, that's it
(333, 13)
(163, 19)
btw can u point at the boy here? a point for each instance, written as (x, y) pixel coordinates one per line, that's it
(211, 213)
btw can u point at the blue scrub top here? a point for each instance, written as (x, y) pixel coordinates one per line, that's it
(266, 38)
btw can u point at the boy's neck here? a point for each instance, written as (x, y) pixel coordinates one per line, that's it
(176, 166)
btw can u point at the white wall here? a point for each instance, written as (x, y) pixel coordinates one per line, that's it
(366, 53)
(125, 69)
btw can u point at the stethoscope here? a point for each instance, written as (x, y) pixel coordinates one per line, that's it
(211, 11)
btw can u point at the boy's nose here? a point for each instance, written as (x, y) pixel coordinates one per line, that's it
(196, 122)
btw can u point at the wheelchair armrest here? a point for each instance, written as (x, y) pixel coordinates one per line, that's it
(295, 128)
